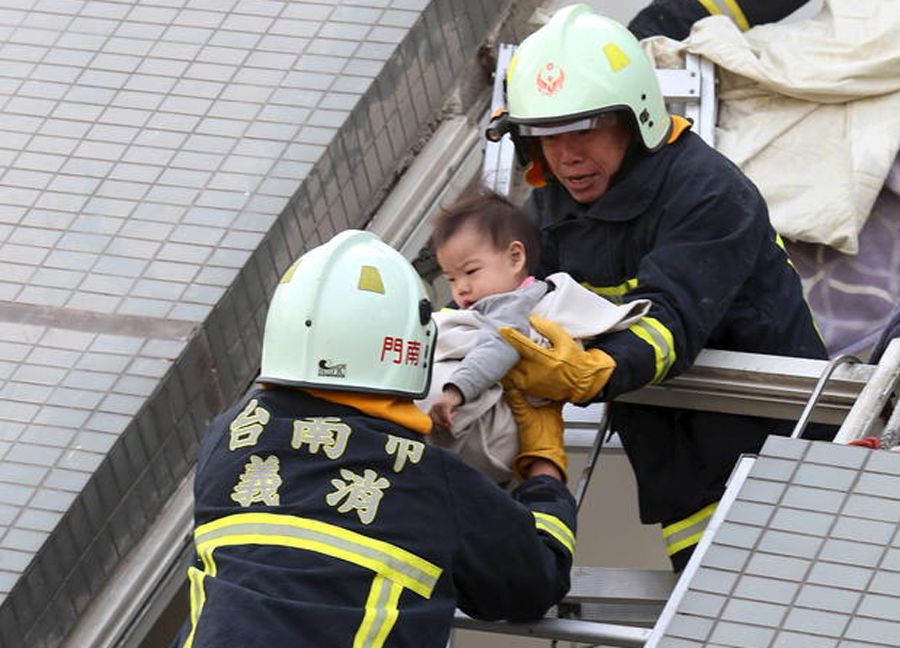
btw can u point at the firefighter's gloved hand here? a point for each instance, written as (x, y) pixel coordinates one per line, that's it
(564, 372)
(540, 433)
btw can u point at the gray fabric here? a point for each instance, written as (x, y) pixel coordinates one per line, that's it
(492, 356)
(853, 298)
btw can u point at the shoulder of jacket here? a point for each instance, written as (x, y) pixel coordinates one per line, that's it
(691, 157)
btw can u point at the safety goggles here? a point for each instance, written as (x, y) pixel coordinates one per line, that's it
(603, 120)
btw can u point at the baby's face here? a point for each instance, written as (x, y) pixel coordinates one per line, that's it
(476, 269)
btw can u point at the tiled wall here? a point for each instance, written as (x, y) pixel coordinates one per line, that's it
(808, 555)
(161, 162)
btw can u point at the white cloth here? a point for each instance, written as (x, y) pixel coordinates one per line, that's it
(810, 111)
(484, 432)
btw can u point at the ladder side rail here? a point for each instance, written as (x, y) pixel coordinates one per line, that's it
(701, 106)
(590, 632)
(638, 615)
(679, 85)
(817, 392)
(865, 413)
(499, 157)
(890, 436)
(599, 433)
(709, 104)
(735, 482)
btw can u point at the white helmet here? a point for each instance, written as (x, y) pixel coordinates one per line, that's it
(577, 68)
(350, 315)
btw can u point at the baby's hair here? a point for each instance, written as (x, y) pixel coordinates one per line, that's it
(492, 215)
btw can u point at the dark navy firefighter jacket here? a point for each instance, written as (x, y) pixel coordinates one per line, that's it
(684, 228)
(320, 526)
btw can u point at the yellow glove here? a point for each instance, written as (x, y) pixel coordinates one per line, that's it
(564, 372)
(540, 433)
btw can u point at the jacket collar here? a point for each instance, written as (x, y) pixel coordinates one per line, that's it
(401, 411)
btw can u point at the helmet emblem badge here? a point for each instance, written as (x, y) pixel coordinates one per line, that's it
(550, 79)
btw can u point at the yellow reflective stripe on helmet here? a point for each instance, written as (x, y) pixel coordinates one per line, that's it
(617, 59)
(729, 8)
(613, 293)
(555, 527)
(511, 67)
(381, 613)
(289, 273)
(687, 532)
(660, 339)
(370, 279)
(387, 560)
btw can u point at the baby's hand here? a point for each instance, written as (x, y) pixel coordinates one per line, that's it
(442, 410)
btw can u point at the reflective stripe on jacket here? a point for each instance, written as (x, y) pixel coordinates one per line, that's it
(319, 525)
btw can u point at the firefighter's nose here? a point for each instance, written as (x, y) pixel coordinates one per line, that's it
(570, 152)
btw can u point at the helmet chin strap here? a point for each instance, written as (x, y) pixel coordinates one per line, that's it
(635, 152)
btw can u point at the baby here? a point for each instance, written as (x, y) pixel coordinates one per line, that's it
(487, 249)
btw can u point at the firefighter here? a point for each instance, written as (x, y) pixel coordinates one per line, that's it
(634, 205)
(674, 18)
(322, 517)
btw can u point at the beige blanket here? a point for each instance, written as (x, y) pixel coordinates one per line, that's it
(810, 110)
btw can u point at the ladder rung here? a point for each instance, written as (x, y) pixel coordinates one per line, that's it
(643, 615)
(618, 585)
(605, 634)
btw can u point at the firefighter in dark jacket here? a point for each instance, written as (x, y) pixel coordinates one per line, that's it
(634, 205)
(322, 517)
(674, 18)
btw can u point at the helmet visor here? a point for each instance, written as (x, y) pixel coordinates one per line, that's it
(603, 120)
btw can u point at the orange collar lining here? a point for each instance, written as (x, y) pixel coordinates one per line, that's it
(397, 410)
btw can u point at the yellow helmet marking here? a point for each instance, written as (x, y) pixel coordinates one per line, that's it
(511, 67)
(618, 60)
(370, 279)
(289, 274)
